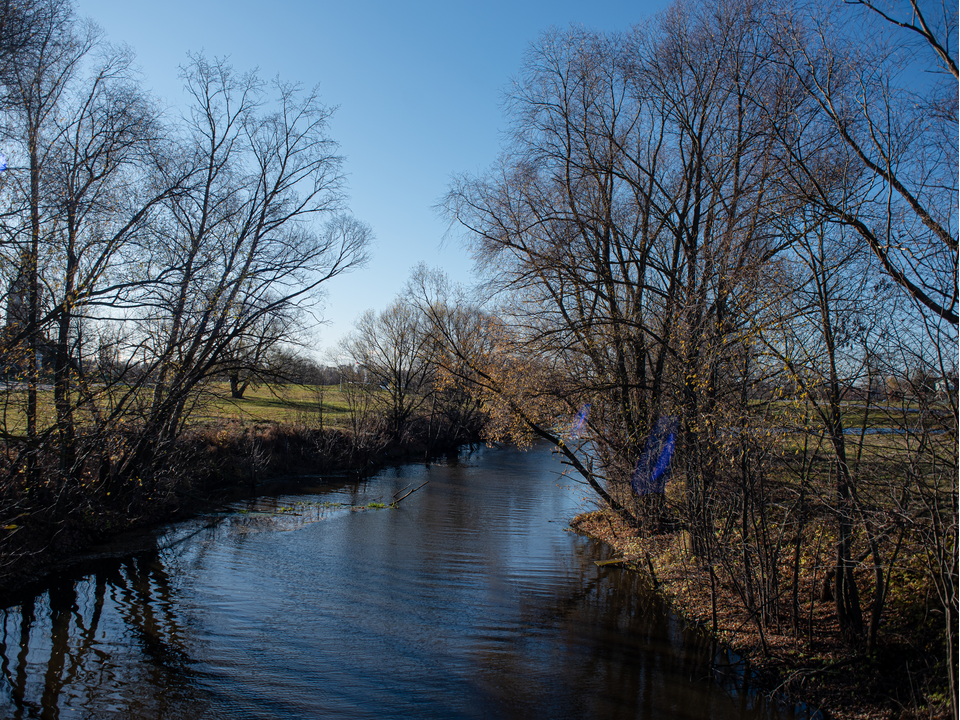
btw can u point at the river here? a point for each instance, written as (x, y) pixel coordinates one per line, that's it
(472, 599)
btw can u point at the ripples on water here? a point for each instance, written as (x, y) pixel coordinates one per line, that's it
(469, 601)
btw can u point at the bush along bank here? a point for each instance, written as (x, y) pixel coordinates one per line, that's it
(47, 521)
(899, 679)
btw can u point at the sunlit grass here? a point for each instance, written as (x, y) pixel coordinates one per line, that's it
(13, 410)
(301, 404)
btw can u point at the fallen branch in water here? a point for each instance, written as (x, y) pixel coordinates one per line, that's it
(397, 501)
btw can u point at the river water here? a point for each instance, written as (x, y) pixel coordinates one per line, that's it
(470, 600)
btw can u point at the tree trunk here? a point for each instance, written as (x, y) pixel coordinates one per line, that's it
(950, 611)
(237, 389)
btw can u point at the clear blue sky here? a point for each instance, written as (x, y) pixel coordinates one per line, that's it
(418, 86)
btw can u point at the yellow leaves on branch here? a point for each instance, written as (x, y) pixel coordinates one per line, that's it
(515, 388)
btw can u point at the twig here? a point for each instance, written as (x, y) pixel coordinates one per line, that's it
(397, 501)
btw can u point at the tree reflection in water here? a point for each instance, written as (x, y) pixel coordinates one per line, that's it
(107, 641)
(468, 601)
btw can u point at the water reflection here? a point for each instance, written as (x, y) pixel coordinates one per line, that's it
(469, 601)
(109, 643)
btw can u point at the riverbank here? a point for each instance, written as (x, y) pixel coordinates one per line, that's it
(468, 600)
(820, 671)
(45, 527)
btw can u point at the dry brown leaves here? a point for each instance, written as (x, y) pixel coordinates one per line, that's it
(822, 673)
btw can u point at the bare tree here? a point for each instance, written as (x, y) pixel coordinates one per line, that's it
(391, 347)
(23, 29)
(883, 112)
(37, 83)
(871, 148)
(104, 187)
(242, 243)
(627, 221)
(824, 326)
(455, 327)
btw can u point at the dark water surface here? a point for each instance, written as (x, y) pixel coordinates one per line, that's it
(471, 600)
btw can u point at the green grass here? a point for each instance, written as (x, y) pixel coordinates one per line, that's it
(262, 404)
(277, 403)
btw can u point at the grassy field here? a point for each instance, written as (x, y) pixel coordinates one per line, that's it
(301, 404)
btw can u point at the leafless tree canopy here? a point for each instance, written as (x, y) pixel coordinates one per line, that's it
(143, 256)
(742, 217)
